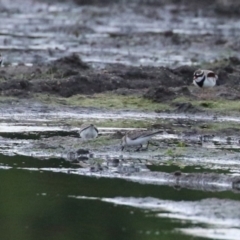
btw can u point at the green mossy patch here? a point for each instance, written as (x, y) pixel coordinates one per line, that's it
(105, 100)
(221, 106)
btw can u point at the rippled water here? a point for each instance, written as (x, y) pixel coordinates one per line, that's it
(163, 35)
(40, 204)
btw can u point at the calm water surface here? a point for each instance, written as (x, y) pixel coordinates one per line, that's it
(40, 205)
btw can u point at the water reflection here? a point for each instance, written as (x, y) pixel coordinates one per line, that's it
(37, 204)
(52, 203)
(57, 198)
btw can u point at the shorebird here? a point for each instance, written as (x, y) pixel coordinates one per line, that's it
(88, 131)
(204, 78)
(137, 137)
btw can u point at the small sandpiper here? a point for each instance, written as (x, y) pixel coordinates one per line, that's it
(204, 78)
(88, 131)
(133, 138)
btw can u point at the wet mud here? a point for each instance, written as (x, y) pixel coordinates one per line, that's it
(69, 76)
(154, 54)
(50, 130)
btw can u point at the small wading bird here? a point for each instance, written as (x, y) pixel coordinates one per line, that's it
(133, 138)
(88, 131)
(204, 78)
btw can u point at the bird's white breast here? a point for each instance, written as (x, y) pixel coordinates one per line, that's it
(89, 133)
(209, 82)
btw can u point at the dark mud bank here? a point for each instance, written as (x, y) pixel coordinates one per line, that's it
(69, 76)
(230, 7)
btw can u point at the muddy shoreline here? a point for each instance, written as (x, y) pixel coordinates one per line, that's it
(70, 76)
(120, 91)
(69, 83)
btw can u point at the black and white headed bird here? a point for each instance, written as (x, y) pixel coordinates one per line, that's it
(204, 78)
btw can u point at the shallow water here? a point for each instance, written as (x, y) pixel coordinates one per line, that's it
(111, 193)
(37, 204)
(149, 35)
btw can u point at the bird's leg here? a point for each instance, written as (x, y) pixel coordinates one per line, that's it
(147, 145)
(139, 148)
(206, 94)
(201, 95)
(122, 148)
(210, 93)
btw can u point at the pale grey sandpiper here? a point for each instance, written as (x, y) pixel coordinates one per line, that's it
(88, 131)
(138, 137)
